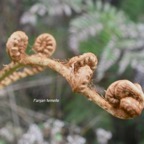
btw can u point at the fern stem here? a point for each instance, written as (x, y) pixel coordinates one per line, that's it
(46, 62)
(88, 92)
(100, 101)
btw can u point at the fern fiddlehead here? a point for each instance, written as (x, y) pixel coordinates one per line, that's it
(123, 99)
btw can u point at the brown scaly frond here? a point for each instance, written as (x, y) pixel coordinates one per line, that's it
(123, 99)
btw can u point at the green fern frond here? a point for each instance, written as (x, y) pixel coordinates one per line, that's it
(114, 34)
(60, 7)
(133, 8)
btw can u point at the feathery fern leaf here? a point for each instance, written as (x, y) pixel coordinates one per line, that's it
(124, 36)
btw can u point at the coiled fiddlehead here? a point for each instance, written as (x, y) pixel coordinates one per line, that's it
(16, 45)
(82, 68)
(82, 60)
(45, 45)
(125, 95)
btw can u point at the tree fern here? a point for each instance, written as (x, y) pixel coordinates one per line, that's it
(130, 43)
(60, 7)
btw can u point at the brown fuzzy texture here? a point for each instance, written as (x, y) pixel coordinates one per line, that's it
(86, 59)
(82, 68)
(125, 95)
(123, 99)
(16, 45)
(45, 45)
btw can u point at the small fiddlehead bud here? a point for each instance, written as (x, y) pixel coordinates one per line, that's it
(45, 45)
(82, 60)
(82, 67)
(16, 45)
(127, 96)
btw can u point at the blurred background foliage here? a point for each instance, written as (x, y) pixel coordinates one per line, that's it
(113, 30)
